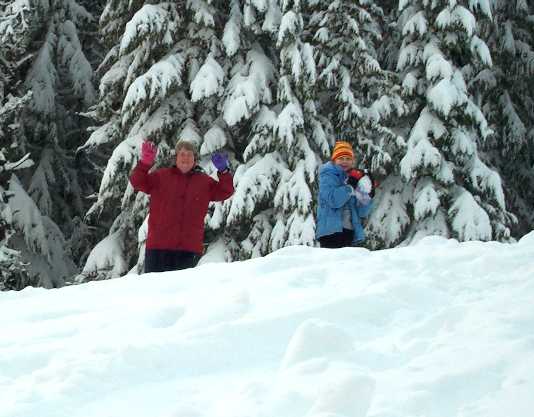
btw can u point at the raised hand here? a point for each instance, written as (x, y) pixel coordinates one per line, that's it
(148, 152)
(220, 161)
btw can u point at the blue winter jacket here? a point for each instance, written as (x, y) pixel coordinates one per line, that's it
(334, 194)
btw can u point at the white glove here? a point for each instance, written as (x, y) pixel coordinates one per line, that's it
(365, 185)
(362, 197)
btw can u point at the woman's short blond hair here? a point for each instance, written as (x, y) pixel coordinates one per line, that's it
(188, 146)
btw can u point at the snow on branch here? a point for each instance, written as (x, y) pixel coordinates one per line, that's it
(462, 16)
(481, 50)
(73, 58)
(290, 27)
(421, 153)
(389, 217)
(410, 56)
(215, 139)
(113, 79)
(124, 154)
(485, 6)
(27, 218)
(43, 77)
(208, 80)
(290, 120)
(261, 133)
(203, 12)
(106, 260)
(487, 181)
(273, 17)
(253, 187)
(444, 96)
(106, 133)
(150, 89)
(293, 193)
(232, 30)
(416, 24)
(301, 229)
(437, 67)
(260, 5)
(150, 22)
(469, 221)
(427, 199)
(247, 92)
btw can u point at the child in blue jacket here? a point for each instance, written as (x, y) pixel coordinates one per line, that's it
(343, 201)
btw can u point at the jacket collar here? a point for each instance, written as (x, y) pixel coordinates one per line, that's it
(330, 167)
(197, 169)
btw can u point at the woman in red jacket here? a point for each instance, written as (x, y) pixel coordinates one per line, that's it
(179, 198)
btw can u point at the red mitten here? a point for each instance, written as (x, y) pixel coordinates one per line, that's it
(148, 152)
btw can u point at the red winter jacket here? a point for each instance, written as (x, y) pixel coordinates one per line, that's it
(178, 204)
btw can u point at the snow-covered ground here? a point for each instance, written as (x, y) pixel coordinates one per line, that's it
(436, 329)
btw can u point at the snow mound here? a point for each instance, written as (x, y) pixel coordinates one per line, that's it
(437, 329)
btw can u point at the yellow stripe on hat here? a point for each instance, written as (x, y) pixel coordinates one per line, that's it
(342, 148)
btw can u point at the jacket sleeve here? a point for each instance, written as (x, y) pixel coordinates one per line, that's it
(363, 211)
(222, 189)
(141, 180)
(333, 193)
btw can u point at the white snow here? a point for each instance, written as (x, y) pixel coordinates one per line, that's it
(273, 17)
(107, 255)
(444, 96)
(437, 329)
(462, 16)
(232, 30)
(72, 57)
(437, 67)
(470, 221)
(291, 24)
(289, 121)
(101, 135)
(247, 91)
(417, 23)
(153, 86)
(485, 6)
(421, 152)
(208, 80)
(42, 78)
(253, 185)
(214, 140)
(479, 47)
(427, 200)
(147, 21)
(409, 84)
(409, 56)
(27, 218)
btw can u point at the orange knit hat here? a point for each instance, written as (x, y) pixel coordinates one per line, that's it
(342, 148)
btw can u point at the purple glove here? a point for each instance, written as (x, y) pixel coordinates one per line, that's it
(220, 161)
(148, 152)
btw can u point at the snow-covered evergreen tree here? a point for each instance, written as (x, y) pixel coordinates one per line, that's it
(138, 99)
(44, 61)
(13, 272)
(450, 190)
(163, 80)
(507, 91)
(247, 110)
(360, 98)
(302, 135)
(361, 95)
(60, 78)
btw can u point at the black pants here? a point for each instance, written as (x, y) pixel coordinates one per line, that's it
(159, 260)
(337, 240)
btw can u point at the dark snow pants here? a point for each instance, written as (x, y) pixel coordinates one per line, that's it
(337, 240)
(159, 260)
